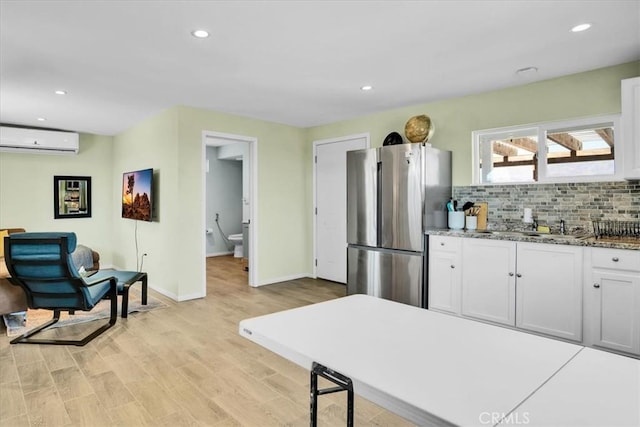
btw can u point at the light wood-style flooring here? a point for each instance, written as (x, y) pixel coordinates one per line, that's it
(184, 365)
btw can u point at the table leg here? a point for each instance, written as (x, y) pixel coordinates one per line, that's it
(342, 383)
(314, 398)
(142, 277)
(144, 288)
(125, 301)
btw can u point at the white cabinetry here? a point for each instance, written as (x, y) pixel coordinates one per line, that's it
(532, 286)
(613, 294)
(549, 289)
(488, 280)
(445, 273)
(588, 295)
(630, 122)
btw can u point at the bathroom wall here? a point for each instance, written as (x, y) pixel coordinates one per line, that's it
(576, 203)
(224, 196)
(240, 151)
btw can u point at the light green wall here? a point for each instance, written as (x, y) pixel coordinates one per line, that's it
(153, 143)
(171, 143)
(26, 192)
(283, 219)
(580, 95)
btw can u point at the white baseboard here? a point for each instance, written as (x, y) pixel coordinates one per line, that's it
(282, 279)
(165, 293)
(176, 297)
(219, 254)
(190, 297)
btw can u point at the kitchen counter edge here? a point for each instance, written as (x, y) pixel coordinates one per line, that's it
(584, 241)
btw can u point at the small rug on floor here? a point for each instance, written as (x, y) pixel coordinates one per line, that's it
(16, 326)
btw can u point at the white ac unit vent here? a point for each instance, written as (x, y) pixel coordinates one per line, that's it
(21, 140)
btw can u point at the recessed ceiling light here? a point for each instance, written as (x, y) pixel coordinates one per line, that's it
(41, 119)
(200, 34)
(366, 87)
(581, 27)
(60, 92)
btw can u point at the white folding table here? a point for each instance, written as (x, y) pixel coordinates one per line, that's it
(595, 389)
(436, 369)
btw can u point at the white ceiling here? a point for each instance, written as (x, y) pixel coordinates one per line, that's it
(294, 62)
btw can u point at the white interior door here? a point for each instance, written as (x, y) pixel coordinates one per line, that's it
(331, 205)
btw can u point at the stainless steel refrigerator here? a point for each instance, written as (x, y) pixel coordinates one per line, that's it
(394, 193)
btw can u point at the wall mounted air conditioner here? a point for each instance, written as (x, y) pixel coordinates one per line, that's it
(22, 140)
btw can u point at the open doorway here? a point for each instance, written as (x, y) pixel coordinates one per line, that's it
(229, 213)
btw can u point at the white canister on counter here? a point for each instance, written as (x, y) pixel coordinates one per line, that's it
(456, 220)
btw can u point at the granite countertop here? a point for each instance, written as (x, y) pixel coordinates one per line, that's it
(554, 239)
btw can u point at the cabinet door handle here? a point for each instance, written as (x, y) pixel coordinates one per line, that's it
(596, 285)
(441, 244)
(615, 259)
(453, 266)
(518, 275)
(510, 274)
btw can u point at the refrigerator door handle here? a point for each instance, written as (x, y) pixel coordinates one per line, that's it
(379, 205)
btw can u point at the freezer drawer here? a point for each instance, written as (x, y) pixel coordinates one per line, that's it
(363, 271)
(383, 273)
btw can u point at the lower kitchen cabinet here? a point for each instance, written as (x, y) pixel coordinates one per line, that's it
(616, 312)
(531, 286)
(445, 274)
(614, 295)
(584, 294)
(488, 280)
(549, 289)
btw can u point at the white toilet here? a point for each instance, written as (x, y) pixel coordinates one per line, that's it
(236, 239)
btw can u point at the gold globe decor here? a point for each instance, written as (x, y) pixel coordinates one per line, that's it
(419, 128)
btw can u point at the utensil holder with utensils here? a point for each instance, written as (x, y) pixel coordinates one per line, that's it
(472, 222)
(477, 216)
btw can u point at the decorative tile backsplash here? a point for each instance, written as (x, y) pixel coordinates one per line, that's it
(577, 203)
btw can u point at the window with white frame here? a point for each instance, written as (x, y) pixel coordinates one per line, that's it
(568, 151)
